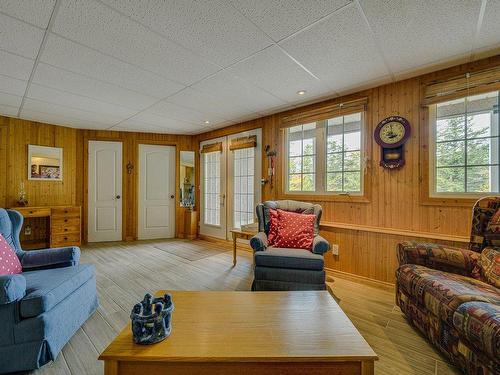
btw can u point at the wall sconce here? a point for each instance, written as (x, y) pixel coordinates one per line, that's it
(130, 167)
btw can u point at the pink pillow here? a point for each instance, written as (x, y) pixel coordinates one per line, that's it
(295, 230)
(273, 226)
(9, 262)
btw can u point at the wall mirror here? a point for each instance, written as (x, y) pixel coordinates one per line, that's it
(187, 179)
(45, 163)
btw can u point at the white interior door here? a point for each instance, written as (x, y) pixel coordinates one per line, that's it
(104, 191)
(244, 174)
(156, 192)
(213, 190)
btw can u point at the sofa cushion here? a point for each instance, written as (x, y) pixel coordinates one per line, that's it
(441, 292)
(489, 266)
(290, 275)
(289, 258)
(46, 288)
(479, 323)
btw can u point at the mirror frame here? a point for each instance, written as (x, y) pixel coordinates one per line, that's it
(32, 150)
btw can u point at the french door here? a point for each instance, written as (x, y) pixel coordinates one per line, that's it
(231, 169)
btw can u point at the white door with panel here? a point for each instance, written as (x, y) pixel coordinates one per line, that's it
(104, 191)
(156, 192)
(231, 169)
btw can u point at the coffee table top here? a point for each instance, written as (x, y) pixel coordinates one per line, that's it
(250, 326)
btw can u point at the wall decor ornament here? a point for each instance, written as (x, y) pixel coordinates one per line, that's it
(391, 134)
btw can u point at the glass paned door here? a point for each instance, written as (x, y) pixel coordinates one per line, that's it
(213, 190)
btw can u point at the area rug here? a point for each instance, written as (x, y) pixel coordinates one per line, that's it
(190, 251)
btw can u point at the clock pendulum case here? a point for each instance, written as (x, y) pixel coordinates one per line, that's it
(391, 134)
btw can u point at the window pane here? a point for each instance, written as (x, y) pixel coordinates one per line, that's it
(450, 180)
(334, 181)
(478, 151)
(334, 162)
(308, 164)
(294, 182)
(334, 143)
(308, 182)
(478, 125)
(295, 165)
(450, 128)
(451, 108)
(450, 153)
(295, 148)
(352, 161)
(308, 147)
(352, 141)
(478, 179)
(352, 181)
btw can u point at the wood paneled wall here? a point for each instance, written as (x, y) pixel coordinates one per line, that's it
(16, 135)
(394, 200)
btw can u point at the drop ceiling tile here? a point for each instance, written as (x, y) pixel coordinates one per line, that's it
(54, 119)
(10, 100)
(178, 112)
(7, 110)
(12, 86)
(15, 66)
(338, 50)
(102, 28)
(160, 121)
(237, 93)
(489, 34)
(63, 80)
(280, 18)
(214, 29)
(73, 57)
(274, 71)
(19, 37)
(417, 33)
(68, 112)
(67, 99)
(36, 12)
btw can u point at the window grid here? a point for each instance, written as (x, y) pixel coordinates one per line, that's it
(212, 188)
(243, 190)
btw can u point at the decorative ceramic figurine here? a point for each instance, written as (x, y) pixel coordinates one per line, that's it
(23, 199)
(152, 319)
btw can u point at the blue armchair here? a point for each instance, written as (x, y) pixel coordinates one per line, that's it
(42, 307)
(288, 269)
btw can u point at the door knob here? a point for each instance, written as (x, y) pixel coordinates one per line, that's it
(172, 196)
(118, 197)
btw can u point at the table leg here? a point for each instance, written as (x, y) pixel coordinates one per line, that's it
(367, 368)
(110, 367)
(234, 249)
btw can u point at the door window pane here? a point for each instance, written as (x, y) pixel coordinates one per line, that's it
(211, 185)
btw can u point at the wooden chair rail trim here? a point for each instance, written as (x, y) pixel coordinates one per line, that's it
(325, 225)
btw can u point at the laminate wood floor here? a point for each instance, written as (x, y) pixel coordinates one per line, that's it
(126, 271)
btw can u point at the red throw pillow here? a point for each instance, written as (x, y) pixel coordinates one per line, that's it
(273, 226)
(9, 262)
(295, 230)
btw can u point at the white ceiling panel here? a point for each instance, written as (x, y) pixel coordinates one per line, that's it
(161, 121)
(73, 57)
(12, 86)
(63, 80)
(489, 34)
(62, 120)
(418, 33)
(83, 103)
(233, 91)
(8, 110)
(36, 12)
(178, 112)
(281, 18)
(98, 26)
(10, 100)
(15, 66)
(19, 37)
(68, 112)
(274, 71)
(339, 50)
(214, 29)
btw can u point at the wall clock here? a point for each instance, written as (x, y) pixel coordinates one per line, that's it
(391, 134)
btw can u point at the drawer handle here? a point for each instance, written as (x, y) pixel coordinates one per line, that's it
(65, 229)
(65, 220)
(65, 238)
(31, 212)
(65, 211)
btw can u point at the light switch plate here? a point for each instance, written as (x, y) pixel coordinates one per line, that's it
(335, 249)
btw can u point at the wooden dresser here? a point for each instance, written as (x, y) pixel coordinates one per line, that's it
(56, 226)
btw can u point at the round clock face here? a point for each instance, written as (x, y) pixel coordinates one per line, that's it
(392, 132)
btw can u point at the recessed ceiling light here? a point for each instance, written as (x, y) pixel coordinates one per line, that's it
(207, 122)
(301, 92)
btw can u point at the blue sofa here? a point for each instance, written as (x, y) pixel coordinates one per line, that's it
(42, 307)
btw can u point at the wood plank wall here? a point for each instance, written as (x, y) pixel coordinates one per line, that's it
(16, 135)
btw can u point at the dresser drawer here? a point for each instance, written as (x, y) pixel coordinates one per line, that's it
(62, 225)
(65, 212)
(61, 240)
(34, 211)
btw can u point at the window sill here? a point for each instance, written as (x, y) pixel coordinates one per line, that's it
(326, 197)
(454, 201)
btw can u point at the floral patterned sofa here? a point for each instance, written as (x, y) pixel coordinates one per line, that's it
(452, 295)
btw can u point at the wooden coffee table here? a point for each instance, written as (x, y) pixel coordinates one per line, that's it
(247, 333)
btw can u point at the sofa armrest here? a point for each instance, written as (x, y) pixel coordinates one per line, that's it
(439, 257)
(320, 245)
(259, 242)
(51, 258)
(12, 288)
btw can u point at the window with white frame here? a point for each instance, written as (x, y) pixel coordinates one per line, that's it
(464, 152)
(325, 156)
